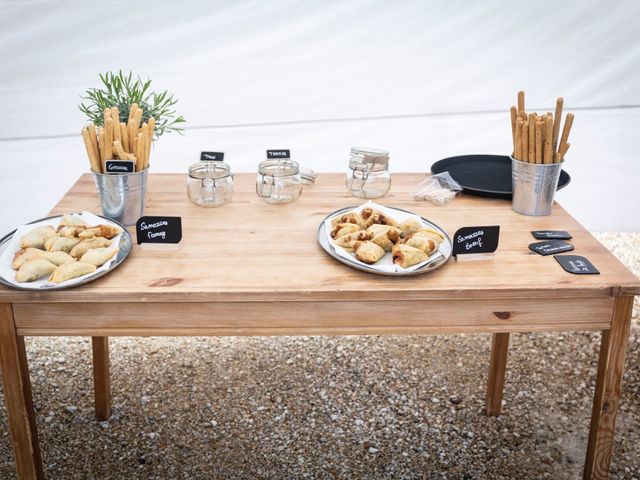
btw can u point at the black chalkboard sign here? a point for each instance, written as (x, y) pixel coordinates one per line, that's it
(551, 235)
(159, 230)
(550, 247)
(211, 156)
(119, 166)
(476, 240)
(576, 264)
(278, 154)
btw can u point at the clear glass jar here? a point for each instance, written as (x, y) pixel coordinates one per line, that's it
(210, 184)
(368, 175)
(279, 181)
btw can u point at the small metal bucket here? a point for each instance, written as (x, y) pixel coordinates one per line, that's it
(122, 195)
(534, 186)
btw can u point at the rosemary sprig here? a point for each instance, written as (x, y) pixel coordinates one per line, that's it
(120, 90)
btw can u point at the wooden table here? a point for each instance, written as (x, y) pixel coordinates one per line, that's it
(250, 268)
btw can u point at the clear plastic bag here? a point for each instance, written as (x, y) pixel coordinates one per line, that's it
(438, 189)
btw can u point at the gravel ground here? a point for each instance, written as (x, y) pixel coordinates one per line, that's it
(321, 407)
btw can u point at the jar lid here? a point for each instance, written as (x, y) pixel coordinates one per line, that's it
(214, 170)
(369, 152)
(370, 159)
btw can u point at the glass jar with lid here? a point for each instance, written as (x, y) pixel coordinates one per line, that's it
(368, 175)
(210, 183)
(279, 180)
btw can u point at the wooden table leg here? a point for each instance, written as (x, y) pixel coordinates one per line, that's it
(101, 377)
(17, 397)
(613, 348)
(497, 371)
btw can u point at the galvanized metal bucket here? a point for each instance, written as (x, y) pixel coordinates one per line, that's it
(122, 195)
(534, 186)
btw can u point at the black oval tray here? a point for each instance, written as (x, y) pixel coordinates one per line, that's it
(484, 175)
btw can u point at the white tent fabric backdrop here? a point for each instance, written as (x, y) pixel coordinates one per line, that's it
(423, 79)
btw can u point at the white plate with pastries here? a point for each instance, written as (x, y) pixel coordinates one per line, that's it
(62, 251)
(384, 240)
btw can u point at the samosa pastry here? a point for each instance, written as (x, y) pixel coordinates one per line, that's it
(351, 217)
(368, 252)
(98, 256)
(381, 219)
(72, 221)
(57, 258)
(106, 231)
(33, 240)
(70, 231)
(34, 269)
(84, 246)
(426, 244)
(347, 241)
(366, 213)
(406, 256)
(429, 233)
(61, 244)
(377, 228)
(344, 229)
(386, 239)
(24, 255)
(410, 225)
(47, 231)
(69, 271)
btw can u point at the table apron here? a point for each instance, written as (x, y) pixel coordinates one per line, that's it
(313, 318)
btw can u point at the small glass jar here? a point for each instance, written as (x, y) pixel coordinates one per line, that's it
(368, 175)
(279, 181)
(210, 184)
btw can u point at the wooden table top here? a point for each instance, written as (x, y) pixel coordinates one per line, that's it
(249, 250)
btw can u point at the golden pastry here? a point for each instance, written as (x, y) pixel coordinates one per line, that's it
(34, 269)
(84, 246)
(71, 270)
(368, 252)
(406, 256)
(106, 231)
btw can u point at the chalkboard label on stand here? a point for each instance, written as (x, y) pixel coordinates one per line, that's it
(278, 154)
(159, 230)
(576, 264)
(550, 247)
(119, 166)
(551, 235)
(468, 240)
(211, 156)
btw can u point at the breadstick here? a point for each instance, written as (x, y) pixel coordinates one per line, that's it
(115, 116)
(525, 141)
(108, 139)
(539, 125)
(556, 123)
(548, 140)
(152, 128)
(137, 117)
(562, 152)
(139, 152)
(91, 153)
(514, 116)
(102, 149)
(124, 137)
(105, 115)
(132, 132)
(518, 153)
(146, 145)
(119, 151)
(532, 138)
(520, 102)
(94, 140)
(566, 130)
(132, 110)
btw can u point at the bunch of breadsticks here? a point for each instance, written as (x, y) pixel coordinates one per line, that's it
(117, 140)
(536, 138)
